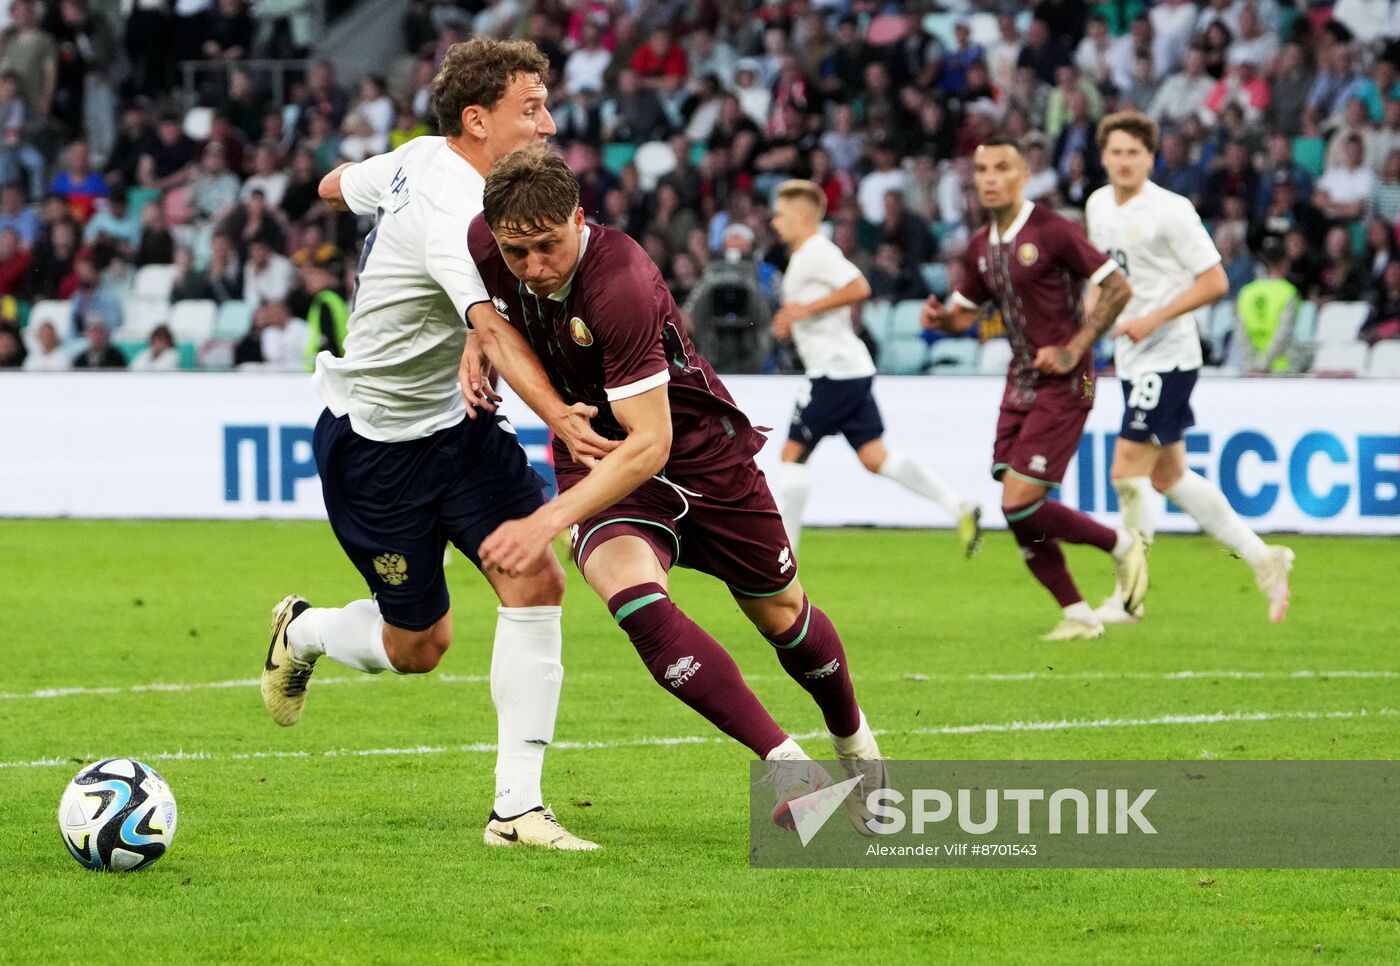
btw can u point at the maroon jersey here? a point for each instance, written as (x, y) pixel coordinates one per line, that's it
(1035, 275)
(613, 331)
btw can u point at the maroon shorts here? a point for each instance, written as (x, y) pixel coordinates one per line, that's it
(1038, 444)
(722, 522)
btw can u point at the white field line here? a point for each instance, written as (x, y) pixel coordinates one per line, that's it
(70, 692)
(1064, 724)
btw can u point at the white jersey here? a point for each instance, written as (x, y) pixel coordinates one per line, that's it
(404, 339)
(826, 342)
(1159, 240)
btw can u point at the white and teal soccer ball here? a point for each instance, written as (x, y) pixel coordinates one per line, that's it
(117, 815)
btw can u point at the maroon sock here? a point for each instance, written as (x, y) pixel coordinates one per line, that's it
(692, 665)
(1054, 519)
(810, 652)
(1043, 554)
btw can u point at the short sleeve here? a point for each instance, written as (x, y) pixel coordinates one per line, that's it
(362, 185)
(831, 267)
(971, 291)
(448, 260)
(1191, 242)
(626, 319)
(1080, 256)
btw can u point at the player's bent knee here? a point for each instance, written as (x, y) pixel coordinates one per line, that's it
(1164, 479)
(417, 652)
(542, 588)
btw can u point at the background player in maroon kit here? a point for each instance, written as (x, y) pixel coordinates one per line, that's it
(1034, 264)
(682, 488)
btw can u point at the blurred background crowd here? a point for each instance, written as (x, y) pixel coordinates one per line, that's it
(159, 158)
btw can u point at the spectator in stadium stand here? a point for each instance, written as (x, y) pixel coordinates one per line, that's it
(214, 188)
(669, 220)
(14, 265)
(1341, 278)
(227, 31)
(884, 177)
(1243, 85)
(17, 215)
(893, 277)
(842, 140)
(243, 105)
(1183, 93)
(266, 177)
(660, 57)
(32, 54)
(1264, 316)
(12, 350)
(1041, 52)
(375, 106)
(47, 353)
(1383, 320)
(586, 65)
(136, 136)
(300, 199)
(18, 156)
(268, 275)
(1351, 122)
(1042, 180)
(1385, 196)
(159, 355)
(100, 353)
(77, 183)
(253, 219)
(1240, 267)
(635, 114)
(1077, 135)
(1344, 190)
(114, 229)
(753, 96)
(1234, 177)
(1067, 83)
(282, 338)
(93, 300)
(1378, 252)
(1333, 87)
(224, 274)
(155, 245)
(905, 230)
(174, 153)
(407, 126)
(324, 96)
(1076, 186)
(1093, 55)
(51, 271)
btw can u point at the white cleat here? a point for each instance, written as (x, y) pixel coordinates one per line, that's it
(1131, 570)
(284, 678)
(793, 778)
(537, 827)
(1074, 629)
(1112, 611)
(865, 762)
(1271, 574)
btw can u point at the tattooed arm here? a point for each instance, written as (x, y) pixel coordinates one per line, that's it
(1112, 297)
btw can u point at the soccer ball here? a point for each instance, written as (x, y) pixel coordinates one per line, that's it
(117, 815)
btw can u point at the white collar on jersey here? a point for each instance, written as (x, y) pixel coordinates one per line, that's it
(1022, 217)
(563, 291)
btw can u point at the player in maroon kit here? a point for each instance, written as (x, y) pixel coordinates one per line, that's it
(682, 488)
(1033, 264)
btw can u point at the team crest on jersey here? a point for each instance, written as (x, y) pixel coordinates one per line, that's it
(500, 305)
(392, 568)
(1028, 253)
(580, 332)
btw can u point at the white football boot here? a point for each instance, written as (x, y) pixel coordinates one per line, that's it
(1076, 629)
(1131, 571)
(538, 828)
(284, 677)
(1271, 574)
(860, 758)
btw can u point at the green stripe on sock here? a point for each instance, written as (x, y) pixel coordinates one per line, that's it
(1020, 515)
(805, 624)
(632, 606)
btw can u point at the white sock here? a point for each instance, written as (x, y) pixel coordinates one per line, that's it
(1123, 544)
(794, 483)
(526, 677)
(853, 744)
(1080, 611)
(1208, 507)
(789, 750)
(353, 635)
(1134, 499)
(921, 480)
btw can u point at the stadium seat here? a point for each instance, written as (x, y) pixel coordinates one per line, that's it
(877, 318)
(654, 161)
(1338, 322)
(233, 320)
(1341, 358)
(155, 280)
(905, 321)
(903, 356)
(192, 320)
(935, 277)
(1216, 326)
(617, 156)
(953, 357)
(189, 352)
(141, 314)
(1305, 324)
(995, 357)
(1385, 360)
(59, 313)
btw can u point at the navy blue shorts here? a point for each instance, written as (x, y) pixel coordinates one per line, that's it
(394, 506)
(1158, 407)
(831, 406)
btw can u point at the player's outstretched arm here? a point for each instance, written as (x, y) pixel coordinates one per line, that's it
(329, 188)
(1209, 286)
(1113, 296)
(517, 362)
(519, 546)
(856, 290)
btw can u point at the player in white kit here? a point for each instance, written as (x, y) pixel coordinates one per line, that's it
(1158, 239)
(819, 287)
(406, 467)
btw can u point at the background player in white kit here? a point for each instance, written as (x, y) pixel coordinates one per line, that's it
(819, 287)
(1159, 240)
(403, 469)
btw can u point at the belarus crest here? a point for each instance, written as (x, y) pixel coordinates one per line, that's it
(580, 332)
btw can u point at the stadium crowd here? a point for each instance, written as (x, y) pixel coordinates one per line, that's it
(125, 195)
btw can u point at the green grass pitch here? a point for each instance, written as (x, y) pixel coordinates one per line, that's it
(321, 858)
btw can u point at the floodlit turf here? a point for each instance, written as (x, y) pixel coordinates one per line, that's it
(346, 858)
